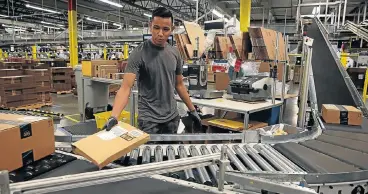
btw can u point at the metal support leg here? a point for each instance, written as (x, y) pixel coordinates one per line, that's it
(4, 182)
(246, 123)
(132, 108)
(222, 165)
(83, 102)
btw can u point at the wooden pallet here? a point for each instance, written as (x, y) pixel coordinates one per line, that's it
(63, 92)
(32, 106)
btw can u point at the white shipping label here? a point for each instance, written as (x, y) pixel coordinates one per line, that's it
(360, 76)
(107, 136)
(118, 130)
(135, 133)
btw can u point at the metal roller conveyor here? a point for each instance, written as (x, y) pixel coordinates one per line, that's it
(171, 156)
(286, 161)
(133, 158)
(146, 156)
(246, 159)
(277, 159)
(189, 176)
(215, 149)
(213, 168)
(235, 160)
(202, 172)
(261, 162)
(158, 154)
(270, 158)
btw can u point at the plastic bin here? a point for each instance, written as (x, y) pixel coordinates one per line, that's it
(101, 118)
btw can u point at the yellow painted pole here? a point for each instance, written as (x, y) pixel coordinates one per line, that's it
(1, 53)
(365, 86)
(245, 8)
(34, 52)
(105, 53)
(73, 32)
(6, 55)
(126, 51)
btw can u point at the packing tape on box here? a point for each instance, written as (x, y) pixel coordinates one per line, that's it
(344, 115)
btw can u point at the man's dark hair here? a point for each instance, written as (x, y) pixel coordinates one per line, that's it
(163, 13)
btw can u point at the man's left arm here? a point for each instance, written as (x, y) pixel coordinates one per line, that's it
(182, 91)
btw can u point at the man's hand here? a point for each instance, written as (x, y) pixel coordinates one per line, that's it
(196, 119)
(110, 124)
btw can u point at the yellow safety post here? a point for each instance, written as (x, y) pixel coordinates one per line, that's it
(26, 54)
(34, 52)
(245, 8)
(6, 55)
(73, 32)
(126, 51)
(105, 53)
(1, 53)
(365, 86)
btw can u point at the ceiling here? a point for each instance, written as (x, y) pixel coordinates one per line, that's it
(132, 11)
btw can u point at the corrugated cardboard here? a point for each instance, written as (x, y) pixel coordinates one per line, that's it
(221, 81)
(104, 147)
(341, 114)
(265, 67)
(24, 139)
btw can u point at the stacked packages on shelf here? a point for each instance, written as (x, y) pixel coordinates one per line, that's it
(61, 79)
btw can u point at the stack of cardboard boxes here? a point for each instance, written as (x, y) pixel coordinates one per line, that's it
(16, 89)
(61, 79)
(42, 79)
(102, 68)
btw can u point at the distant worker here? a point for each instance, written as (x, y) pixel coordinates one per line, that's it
(158, 68)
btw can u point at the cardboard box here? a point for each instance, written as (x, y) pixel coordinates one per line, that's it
(118, 75)
(221, 81)
(30, 139)
(341, 114)
(10, 72)
(107, 71)
(265, 67)
(92, 68)
(105, 147)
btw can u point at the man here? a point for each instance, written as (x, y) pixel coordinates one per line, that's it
(158, 69)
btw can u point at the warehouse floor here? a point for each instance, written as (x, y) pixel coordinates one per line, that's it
(68, 105)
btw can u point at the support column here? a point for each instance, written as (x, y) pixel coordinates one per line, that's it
(344, 14)
(245, 8)
(73, 32)
(34, 52)
(326, 12)
(338, 16)
(1, 53)
(126, 50)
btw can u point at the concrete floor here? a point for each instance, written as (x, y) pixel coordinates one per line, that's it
(67, 104)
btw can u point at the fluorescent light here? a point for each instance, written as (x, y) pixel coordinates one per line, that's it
(41, 8)
(94, 20)
(43, 22)
(56, 28)
(11, 26)
(217, 13)
(148, 15)
(111, 3)
(115, 24)
(315, 10)
(135, 28)
(1, 15)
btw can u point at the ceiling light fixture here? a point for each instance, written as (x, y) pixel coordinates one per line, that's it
(11, 26)
(148, 15)
(48, 23)
(116, 24)
(111, 3)
(94, 20)
(5, 16)
(41, 8)
(217, 13)
(56, 28)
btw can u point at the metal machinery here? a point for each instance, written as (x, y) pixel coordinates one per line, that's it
(325, 159)
(251, 88)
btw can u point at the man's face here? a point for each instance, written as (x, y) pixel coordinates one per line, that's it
(161, 30)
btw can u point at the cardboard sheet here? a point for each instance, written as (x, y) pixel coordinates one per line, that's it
(189, 51)
(224, 44)
(237, 43)
(195, 31)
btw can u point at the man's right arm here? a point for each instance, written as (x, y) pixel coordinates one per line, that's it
(122, 96)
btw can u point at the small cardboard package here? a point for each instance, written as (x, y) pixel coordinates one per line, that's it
(24, 139)
(105, 147)
(341, 114)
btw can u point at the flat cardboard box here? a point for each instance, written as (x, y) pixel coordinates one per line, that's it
(105, 147)
(221, 80)
(341, 114)
(24, 139)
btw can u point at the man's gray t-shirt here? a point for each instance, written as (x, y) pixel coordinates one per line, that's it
(156, 69)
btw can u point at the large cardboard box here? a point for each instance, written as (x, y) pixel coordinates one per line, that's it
(92, 68)
(107, 71)
(24, 139)
(106, 146)
(341, 114)
(221, 81)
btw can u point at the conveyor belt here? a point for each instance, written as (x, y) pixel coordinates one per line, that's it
(135, 186)
(349, 128)
(348, 135)
(347, 143)
(346, 155)
(311, 160)
(87, 128)
(329, 82)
